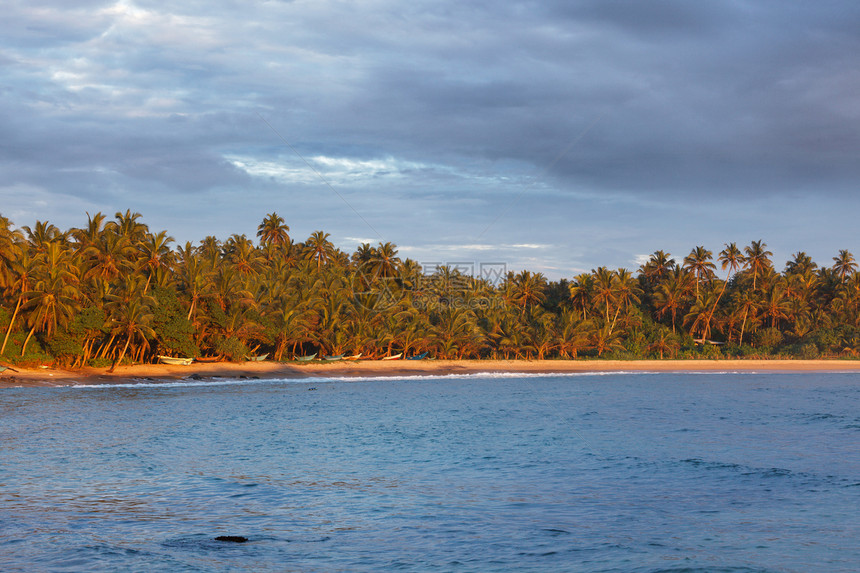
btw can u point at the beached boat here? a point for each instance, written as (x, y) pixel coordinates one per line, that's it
(395, 357)
(306, 358)
(421, 356)
(256, 358)
(353, 357)
(175, 361)
(208, 359)
(333, 358)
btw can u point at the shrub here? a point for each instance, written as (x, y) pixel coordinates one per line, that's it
(232, 349)
(768, 338)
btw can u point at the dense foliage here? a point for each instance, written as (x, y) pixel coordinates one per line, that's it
(114, 291)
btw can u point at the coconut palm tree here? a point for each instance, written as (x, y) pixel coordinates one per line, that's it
(626, 293)
(273, 231)
(800, 263)
(700, 264)
(53, 298)
(672, 294)
(319, 248)
(132, 321)
(604, 290)
(844, 264)
(582, 293)
(127, 225)
(658, 266)
(23, 268)
(664, 343)
(384, 261)
(155, 257)
(527, 289)
(757, 259)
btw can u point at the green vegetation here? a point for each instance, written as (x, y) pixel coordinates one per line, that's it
(113, 291)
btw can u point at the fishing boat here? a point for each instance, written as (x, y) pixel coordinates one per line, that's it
(256, 358)
(208, 359)
(175, 361)
(353, 357)
(421, 356)
(5, 368)
(333, 358)
(306, 358)
(395, 357)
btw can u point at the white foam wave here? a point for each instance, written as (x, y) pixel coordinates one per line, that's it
(311, 380)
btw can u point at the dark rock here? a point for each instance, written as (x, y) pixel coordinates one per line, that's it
(195, 377)
(231, 538)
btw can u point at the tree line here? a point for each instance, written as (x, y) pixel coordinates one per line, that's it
(113, 291)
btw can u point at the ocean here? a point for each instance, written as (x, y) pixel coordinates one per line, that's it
(627, 472)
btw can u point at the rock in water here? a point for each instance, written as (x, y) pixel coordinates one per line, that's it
(231, 538)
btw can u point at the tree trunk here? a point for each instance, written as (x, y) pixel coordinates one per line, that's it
(121, 354)
(27, 341)
(11, 322)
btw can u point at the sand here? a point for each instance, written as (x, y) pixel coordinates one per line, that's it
(163, 372)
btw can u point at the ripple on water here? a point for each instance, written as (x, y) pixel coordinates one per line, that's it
(645, 473)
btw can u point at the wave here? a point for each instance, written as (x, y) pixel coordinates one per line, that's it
(234, 381)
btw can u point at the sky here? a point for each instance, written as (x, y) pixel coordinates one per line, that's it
(555, 136)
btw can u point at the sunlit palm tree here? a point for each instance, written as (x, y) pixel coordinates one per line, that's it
(132, 322)
(844, 264)
(527, 289)
(53, 299)
(274, 231)
(700, 264)
(672, 294)
(757, 259)
(23, 269)
(319, 248)
(155, 257)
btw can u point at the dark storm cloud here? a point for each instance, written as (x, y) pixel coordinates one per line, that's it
(487, 104)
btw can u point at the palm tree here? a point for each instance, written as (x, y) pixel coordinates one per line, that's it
(657, 268)
(800, 264)
(775, 304)
(627, 291)
(671, 295)
(319, 248)
(42, 234)
(132, 321)
(242, 254)
(273, 231)
(699, 262)
(665, 342)
(582, 293)
(604, 289)
(53, 299)
(730, 258)
(528, 288)
(757, 259)
(844, 264)
(127, 225)
(9, 239)
(384, 261)
(155, 257)
(23, 268)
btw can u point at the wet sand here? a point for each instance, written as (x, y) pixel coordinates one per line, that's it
(164, 372)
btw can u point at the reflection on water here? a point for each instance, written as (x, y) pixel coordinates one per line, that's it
(611, 473)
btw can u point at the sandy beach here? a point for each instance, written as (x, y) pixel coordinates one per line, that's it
(277, 370)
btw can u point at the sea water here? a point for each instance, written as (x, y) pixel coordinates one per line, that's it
(616, 472)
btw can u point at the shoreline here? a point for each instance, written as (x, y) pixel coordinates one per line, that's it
(48, 377)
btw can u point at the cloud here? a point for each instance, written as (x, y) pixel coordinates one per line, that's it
(589, 126)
